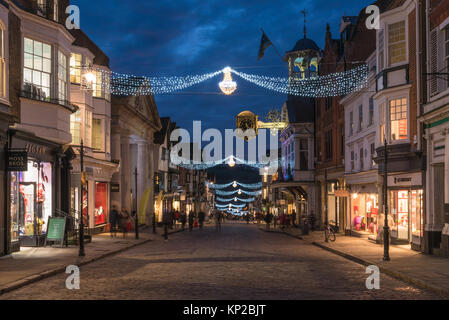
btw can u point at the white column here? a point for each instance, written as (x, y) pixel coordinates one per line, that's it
(446, 167)
(125, 171)
(151, 169)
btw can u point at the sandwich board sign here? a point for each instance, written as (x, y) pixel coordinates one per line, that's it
(56, 230)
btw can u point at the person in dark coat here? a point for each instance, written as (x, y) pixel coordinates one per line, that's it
(201, 217)
(183, 219)
(123, 221)
(113, 220)
(191, 220)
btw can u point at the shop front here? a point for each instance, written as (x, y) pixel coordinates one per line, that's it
(95, 197)
(364, 211)
(33, 190)
(405, 199)
(337, 204)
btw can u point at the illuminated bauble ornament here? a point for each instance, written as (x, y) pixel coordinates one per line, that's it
(240, 191)
(235, 199)
(231, 162)
(227, 86)
(234, 184)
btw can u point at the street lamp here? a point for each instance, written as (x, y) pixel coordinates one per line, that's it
(81, 223)
(386, 228)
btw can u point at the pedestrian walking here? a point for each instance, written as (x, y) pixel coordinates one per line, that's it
(183, 219)
(166, 220)
(123, 221)
(201, 217)
(113, 221)
(217, 217)
(294, 219)
(191, 220)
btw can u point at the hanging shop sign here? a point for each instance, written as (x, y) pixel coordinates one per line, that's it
(341, 193)
(17, 161)
(115, 187)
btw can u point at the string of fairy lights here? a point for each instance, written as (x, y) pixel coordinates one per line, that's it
(240, 191)
(234, 184)
(334, 84)
(236, 199)
(231, 161)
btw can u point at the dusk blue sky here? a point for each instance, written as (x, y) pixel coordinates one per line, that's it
(183, 37)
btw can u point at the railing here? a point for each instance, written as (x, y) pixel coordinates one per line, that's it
(32, 92)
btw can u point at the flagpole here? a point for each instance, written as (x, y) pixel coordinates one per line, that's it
(275, 49)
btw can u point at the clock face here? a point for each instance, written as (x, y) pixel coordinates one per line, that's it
(246, 124)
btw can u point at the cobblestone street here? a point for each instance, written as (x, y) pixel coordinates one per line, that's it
(240, 262)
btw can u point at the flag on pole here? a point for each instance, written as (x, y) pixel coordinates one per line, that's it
(264, 44)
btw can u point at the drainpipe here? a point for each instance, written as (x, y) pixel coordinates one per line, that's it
(418, 70)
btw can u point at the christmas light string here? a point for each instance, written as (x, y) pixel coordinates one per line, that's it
(235, 200)
(330, 85)
(231, 160)
(230, 193)
(334, 84)
(234, 184)
(238, 206)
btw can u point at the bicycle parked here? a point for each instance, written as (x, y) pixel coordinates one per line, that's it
(330, 232)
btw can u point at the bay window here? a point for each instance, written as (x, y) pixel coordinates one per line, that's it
(37, 69)
(397, 44)
(98, 84)
(97, 142)
(398, 119)
(75, 68)
(75, 127)
(88, 128)
(2, 63)
(62, 77)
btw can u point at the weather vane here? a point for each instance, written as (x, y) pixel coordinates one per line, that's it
(304, 12)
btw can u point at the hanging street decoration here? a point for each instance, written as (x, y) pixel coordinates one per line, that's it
(231, 161)
(334, 84)
(227, 86)
(230, 206)
(240, 191)
(234, 183)
(235, 199)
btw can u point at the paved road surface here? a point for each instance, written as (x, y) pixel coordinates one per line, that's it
(240, 262)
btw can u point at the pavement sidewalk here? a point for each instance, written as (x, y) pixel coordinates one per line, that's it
(34, 264)
(425, 271)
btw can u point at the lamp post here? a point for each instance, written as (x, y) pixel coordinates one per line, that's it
(135, 202)
(386, 228)
(81, 224)
(326, 238)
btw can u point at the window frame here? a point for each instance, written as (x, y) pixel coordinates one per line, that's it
(34, 56)
(3, 63)
(401, 42)
(402, 118)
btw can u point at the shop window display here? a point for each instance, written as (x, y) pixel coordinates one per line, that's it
(365, 211)
(407, 213)
(31, 200)
(101, 203)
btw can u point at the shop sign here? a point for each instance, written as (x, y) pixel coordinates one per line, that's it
(17, 161)
(56, 230)
(35, 149)
(341, 193)
(115, 187)
(405, 180)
